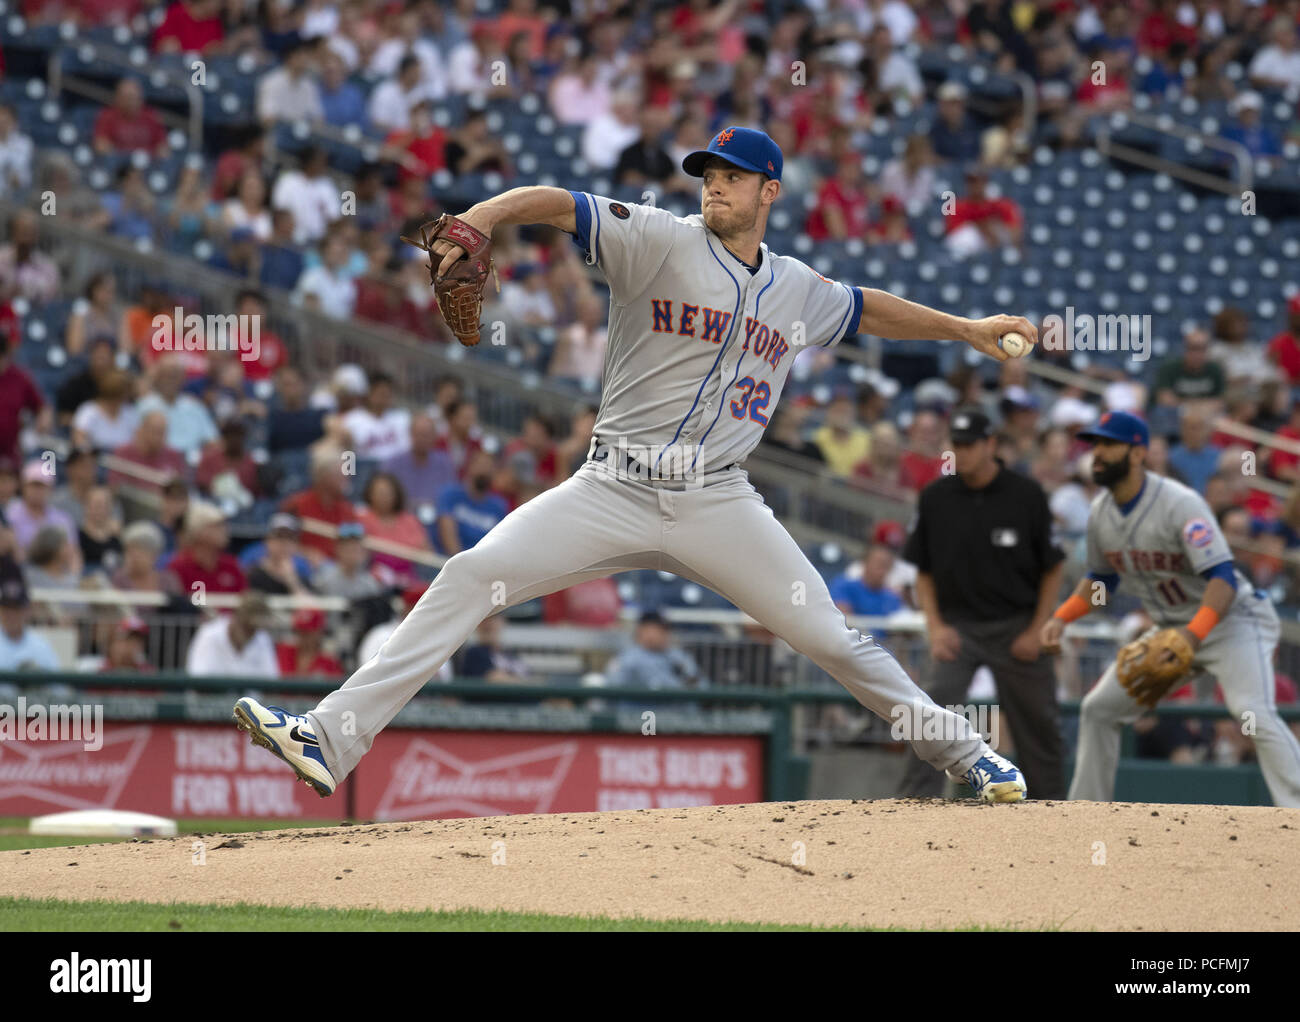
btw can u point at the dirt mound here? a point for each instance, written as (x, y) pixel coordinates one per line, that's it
(911, 863)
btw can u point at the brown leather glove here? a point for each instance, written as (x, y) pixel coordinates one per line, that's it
(1150, 666)
(459, 293)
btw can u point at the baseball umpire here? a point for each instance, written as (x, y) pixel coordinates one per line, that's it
(988, 578)
(1162, 537)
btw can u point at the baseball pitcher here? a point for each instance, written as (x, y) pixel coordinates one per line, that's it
(704, 324)
(1161, 537)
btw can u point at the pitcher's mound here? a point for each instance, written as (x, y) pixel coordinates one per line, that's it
(909, 863)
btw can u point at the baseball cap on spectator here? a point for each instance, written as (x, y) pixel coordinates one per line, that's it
(34, 472)
(351, 378)
(1017, 398)
(1121, 426)
(935, 393)
(282, 522)
(890, 534)
(144, 534)
(309, 619)
(1293, 304)
(952, 90)
(652, 617)
(202, 513)
(1247, 100)
(1071, 411)
(969, 425)
(13, 592)
(133, 626)
(351, 530)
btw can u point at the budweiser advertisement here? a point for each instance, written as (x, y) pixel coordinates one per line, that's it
(213, 771)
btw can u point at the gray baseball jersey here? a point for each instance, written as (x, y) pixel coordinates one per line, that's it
(1160, 545)
(1159, 548)
(699, 348)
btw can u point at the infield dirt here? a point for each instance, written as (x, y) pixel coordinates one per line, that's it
(910, 863)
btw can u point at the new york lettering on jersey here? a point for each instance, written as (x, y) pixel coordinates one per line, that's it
(713, 341)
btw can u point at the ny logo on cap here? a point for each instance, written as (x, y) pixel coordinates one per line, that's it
(724, 137)
(961, 422)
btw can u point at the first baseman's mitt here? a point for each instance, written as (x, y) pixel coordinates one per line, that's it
(1149, 667)
(459, 293)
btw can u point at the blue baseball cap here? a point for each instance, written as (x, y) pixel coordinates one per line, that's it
(1120, 426)
(747, 148)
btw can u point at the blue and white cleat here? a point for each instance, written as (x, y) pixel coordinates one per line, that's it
(290, 737)
(994, 778)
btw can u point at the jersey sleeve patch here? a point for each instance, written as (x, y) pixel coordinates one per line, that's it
(1198, 534)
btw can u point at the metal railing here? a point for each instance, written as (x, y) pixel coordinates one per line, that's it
(1107, 146)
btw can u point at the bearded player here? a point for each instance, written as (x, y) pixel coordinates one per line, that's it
(1161, 538)
(704, 324)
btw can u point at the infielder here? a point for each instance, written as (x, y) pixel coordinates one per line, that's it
(704, 324)
(1161, 536)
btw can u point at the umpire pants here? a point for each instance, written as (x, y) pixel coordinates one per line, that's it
(1026, 698)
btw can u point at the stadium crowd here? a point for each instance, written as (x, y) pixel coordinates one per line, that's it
(203, 434)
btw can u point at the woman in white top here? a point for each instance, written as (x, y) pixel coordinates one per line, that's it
(108, 421)
(248, 207)
(911, 177)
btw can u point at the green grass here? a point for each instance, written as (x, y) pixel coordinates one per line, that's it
(13, 831)
(52, 915)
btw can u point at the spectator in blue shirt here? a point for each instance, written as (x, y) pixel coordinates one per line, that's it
(652, 661)
(868, 594)
(130, 206)
(467, 513)
(1193, 458)
(954, 135)
(281, 262)
(1260, 141)
(425, 470)
(342, 101)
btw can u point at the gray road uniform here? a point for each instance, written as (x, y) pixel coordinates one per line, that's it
(699, 348)
(1163, 546)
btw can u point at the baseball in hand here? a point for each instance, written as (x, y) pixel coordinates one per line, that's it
(1015, 345)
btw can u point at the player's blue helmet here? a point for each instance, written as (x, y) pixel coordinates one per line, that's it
(1121, 426)
(747, 148)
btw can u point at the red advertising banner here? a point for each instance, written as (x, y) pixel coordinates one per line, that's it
(167, 769)
(213, 771)
(423, 775)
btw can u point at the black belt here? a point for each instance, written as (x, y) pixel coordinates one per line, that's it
(627, 467)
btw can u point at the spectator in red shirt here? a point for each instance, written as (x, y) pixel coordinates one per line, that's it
(922, 462)
(262, 353)
(304, 657)
(591, 604)
(1105, 82)
(325, 503)
(227, 457)
(521, 17)
(842, 206)
(978, 223)
(532, 453)
(149, 450)
(462, 438)
(202, 564)
(419, 151)
(128, 125)
(126, 648)
(1283, 464)
(18, 393)
(1284, 349)
(892, 226)
(190, 26)
(234, 163)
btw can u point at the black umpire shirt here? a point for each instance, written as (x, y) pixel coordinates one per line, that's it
(986, 550)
